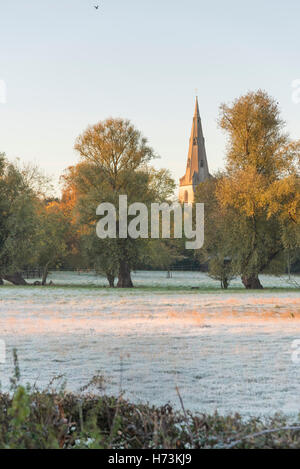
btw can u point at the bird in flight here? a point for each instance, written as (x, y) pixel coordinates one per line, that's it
(97, 7)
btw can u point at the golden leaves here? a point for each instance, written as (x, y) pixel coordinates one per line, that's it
(243, 191)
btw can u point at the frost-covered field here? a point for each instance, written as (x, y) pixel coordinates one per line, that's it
(160, 279)
(229, 351)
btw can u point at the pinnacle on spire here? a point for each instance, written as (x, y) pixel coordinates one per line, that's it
(197, 113)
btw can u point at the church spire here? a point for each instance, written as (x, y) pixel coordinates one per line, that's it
(197, 167)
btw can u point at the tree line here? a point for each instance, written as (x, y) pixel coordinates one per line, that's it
(251, 207)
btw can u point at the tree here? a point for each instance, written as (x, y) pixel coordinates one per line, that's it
(256, 136)
(255, 240)
(18, 220)
(217, 249)
(100, 254)
(52, 234)
(220, 268)
(283, 201)
(114, 161)
(260, 161)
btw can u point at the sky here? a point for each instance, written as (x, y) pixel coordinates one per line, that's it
(66, 65)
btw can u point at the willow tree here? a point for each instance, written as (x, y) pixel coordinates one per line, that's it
(52, 235)
(19, 199)
(260, 159)
(283, 202)
(217, 250)
(115, 161)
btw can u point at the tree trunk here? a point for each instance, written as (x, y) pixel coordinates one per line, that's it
(111, 280)
(15, 278)
(224, 284)
(124, 278)
(289, 265)
(251, 282)
(45, 273)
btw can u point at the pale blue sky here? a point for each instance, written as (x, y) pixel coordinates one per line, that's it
(67, 65)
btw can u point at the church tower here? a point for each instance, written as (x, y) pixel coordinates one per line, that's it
(197, 167)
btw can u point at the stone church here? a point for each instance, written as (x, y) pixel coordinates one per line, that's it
(197, 167)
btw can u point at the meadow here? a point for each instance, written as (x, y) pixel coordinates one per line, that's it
(226, 351)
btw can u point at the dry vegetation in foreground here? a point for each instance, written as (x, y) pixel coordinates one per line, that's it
(31, 419)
